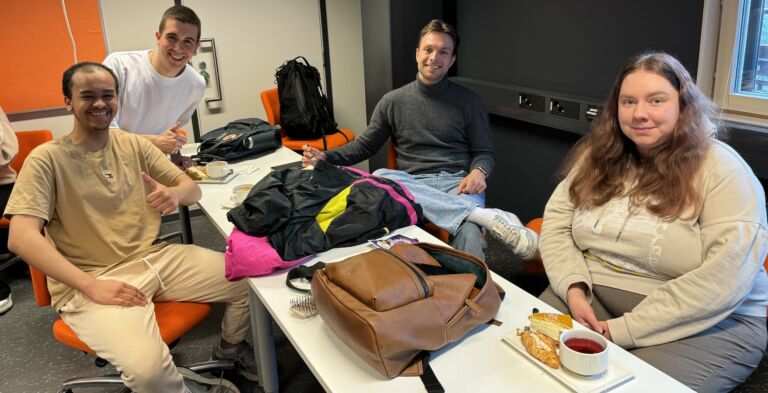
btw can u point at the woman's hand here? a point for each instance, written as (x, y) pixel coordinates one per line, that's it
(606, 331)
(580, 309)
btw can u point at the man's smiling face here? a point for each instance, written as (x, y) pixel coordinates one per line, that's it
(434, 57)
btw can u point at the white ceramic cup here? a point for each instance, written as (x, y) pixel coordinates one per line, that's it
(217, 169)
(583, 363)
(240, 192)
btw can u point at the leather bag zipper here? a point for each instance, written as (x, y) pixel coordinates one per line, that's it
(421, 278)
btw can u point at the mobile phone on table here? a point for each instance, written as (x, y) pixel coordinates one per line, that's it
(294, 164)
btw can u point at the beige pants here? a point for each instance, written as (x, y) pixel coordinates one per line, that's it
(128, 337)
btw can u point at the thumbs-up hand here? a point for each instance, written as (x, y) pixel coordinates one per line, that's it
(170, 140)
(162, 199)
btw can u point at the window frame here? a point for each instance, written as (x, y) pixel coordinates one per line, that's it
(737, 107)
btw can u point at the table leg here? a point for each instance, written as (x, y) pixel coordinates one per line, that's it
(263, 343)
(186, 225)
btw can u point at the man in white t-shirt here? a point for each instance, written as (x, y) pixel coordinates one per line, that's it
(159, 89)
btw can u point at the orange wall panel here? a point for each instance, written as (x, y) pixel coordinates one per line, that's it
(37, 49)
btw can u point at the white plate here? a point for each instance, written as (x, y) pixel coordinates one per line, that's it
(221, 180)
(616, 374)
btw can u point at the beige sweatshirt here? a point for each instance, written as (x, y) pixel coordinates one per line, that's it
(9, 147)
(694, 272)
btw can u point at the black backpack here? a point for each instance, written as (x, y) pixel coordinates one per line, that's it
(238, 139)
(304, 109)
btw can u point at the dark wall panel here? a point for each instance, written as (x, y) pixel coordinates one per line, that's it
(571, 46)
(408, 17)
(527, 159)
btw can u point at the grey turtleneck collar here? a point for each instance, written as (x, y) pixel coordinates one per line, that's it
(437, 88)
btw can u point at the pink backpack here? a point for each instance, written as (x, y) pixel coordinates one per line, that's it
(249, 256)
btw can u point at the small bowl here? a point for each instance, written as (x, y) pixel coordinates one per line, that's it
(240, 192)
(584, 352)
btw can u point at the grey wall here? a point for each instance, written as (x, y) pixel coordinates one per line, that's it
(377, 62)
(252, 40)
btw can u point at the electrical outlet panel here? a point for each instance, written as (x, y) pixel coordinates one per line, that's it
(531, 102)
(592, 112)
(564, 108)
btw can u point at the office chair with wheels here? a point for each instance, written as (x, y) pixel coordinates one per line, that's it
(173, 319)
(271, 102)
(28, 140)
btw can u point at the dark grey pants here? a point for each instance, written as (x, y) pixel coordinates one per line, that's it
(715, 360)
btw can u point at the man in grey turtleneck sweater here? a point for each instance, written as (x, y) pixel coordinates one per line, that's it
(444, 154)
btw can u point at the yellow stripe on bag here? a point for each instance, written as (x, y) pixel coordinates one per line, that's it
(333, 209)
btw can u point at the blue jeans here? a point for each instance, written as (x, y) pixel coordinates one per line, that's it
(436, 193)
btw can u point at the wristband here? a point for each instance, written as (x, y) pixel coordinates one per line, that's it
(482, 170)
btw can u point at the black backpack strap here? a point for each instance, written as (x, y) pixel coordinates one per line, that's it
(428, 377)
(325, 143)
(302, 271)
(204, 158)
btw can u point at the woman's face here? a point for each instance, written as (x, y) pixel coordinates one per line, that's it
(649, 107)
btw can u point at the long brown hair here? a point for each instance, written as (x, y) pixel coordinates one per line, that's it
(666, 181)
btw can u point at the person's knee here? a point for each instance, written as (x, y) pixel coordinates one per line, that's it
(146, 371)
(392, 174)
(240, 294)
(381, 172)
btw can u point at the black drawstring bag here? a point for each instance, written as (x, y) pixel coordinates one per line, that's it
(238, 139)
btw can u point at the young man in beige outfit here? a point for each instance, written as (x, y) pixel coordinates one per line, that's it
(99, 195)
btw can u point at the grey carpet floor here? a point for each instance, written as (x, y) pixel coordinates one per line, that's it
(31, 360)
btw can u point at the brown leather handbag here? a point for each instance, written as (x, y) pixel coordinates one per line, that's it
(389, 306)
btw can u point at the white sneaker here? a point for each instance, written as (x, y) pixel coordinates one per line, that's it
(197, 383)
(521, 240)
(5, 297)
(6, 304)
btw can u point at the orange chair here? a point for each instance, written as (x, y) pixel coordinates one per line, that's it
(28, 140)
(433, 229)
(534, 265)
(173, 318)
(271, 103)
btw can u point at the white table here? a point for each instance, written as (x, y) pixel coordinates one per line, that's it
(480, 362)
(217, 195)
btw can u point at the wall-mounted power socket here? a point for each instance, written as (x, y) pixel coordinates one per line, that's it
(531, 102)
(592, 112)
(564, 108)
